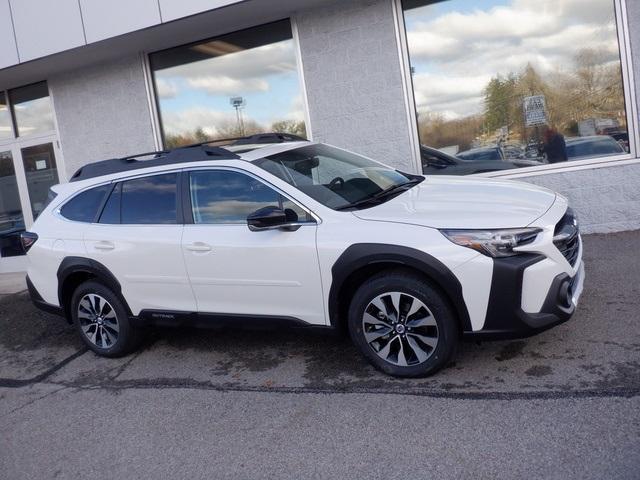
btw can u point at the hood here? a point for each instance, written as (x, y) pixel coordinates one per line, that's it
(473, 203)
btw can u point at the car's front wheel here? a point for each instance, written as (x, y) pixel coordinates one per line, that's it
(102, 321)
(403, 325)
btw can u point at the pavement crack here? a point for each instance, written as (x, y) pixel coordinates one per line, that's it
(19, 383)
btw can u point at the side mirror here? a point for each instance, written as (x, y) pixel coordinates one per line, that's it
(270, 218)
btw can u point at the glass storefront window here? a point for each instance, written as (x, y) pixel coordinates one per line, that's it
(41, 172)
(32, 109)
(11, 219)
(238, 84)
(5, 118)
(502, 84)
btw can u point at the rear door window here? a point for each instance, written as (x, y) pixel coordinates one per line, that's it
(149, 200)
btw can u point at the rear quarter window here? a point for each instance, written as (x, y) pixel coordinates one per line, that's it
(84, 206)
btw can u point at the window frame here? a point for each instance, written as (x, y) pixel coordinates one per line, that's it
(628, 84)
(187, 207)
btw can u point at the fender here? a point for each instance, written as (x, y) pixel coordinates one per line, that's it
(71, 265)
(361, 255)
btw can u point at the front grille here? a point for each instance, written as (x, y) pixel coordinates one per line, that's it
(566, 237)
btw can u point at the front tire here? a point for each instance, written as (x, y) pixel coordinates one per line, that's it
(403, 325)
(102, 321)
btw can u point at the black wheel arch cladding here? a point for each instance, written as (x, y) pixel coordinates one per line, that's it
(363, 255)
(74, 265)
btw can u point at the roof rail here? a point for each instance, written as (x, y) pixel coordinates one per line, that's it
(163, 157)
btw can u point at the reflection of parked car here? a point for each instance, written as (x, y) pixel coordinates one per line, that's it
(622, 137)
(592, 146)
(482, 153)
(435, 162)
(513, 151)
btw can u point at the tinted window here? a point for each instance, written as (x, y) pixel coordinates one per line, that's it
(149, 200)
(84, 207)
(111, 211)
(222, 196)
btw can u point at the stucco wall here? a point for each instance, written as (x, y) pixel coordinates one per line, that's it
(353, 80)
(605, 199)
(102, 112)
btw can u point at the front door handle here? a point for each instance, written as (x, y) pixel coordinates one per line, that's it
(199, 247)
(104, 245)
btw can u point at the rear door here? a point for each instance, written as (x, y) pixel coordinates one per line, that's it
(234, 270)
(138, 238)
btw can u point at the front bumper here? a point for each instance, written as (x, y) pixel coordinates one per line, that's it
(505, 317)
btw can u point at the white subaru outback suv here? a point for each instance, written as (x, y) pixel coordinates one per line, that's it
(303, 234)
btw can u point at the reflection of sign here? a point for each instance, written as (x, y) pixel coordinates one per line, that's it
(237, 102)
(41, 164)
(534, 111)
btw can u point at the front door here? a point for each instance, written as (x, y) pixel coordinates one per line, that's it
(234, 270)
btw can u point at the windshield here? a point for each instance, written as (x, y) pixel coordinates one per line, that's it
(338, 179)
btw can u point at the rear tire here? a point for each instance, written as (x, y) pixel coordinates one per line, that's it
(102, 321)
(403, 325)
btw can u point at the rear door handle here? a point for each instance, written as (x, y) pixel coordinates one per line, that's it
(104, 245)
(199, 247)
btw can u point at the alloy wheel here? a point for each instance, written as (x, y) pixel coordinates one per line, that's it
(400, 329)
(98, 320)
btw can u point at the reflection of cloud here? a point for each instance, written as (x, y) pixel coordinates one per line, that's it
(224, 85)
(190, 119)
(166, 88)
(457, 52)
(257, 63)
(34, 116)
(230, 209)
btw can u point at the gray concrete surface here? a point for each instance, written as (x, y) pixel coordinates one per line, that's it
(237, 404)
(12, 283)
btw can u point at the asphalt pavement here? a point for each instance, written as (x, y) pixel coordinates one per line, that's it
(302, 404)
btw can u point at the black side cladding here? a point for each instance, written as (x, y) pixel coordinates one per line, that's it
(362, 255)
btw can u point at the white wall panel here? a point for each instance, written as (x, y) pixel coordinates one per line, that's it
(44, 27)
(116, 17)
(8, 51)
(173, 9)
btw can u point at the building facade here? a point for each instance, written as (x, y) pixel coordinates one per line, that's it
(543, 91)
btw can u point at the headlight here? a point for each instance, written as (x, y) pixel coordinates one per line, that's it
(493, 243)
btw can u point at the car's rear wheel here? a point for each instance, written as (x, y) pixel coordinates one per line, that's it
(403, 325)
(102, 321)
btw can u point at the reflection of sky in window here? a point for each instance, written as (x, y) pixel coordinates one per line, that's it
(457, 46)
(198, 94)
(5, 118)
(34, 116)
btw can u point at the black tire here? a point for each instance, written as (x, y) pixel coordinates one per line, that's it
(408, 284)
(127, 337)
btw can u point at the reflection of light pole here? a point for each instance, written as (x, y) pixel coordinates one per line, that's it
(238, 103)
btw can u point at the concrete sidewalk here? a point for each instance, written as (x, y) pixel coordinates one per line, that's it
(12, 283)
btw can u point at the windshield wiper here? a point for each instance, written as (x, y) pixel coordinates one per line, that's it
(378, 197)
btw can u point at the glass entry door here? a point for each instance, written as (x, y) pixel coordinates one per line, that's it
(11, 218)
(29, 165)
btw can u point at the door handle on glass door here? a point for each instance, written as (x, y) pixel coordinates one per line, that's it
(199, 247)
(104, 245)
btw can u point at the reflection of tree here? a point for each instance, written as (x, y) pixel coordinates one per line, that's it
(592, 88)
(230, 129)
